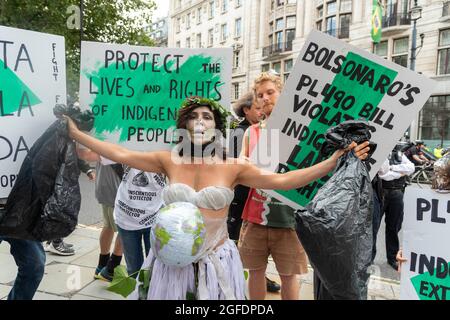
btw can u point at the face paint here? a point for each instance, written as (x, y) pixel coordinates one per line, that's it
(201, 125)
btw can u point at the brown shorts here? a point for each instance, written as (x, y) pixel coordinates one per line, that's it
(257, 242)
(108, 217)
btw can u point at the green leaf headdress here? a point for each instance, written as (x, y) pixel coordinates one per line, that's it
(216, 107)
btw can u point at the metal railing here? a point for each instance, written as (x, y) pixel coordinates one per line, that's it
(341, 33)
(277, 48)
(396, 20)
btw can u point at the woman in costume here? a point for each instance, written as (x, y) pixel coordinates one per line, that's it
(200, 173)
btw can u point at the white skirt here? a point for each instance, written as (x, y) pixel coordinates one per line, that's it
(220, 277)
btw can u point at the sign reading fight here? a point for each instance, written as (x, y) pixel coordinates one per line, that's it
(332, 82)
(32, 81)
(426, 235)
(135, 92)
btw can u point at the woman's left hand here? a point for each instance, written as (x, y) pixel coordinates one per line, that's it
(361, 151)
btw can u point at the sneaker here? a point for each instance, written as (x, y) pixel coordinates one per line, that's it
(97, 271)
(60, 249)
(68, 245)
(104, 275)
(272, 286)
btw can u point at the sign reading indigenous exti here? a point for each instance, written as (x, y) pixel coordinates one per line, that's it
(332, 82)
(135, 92)
(32, 81)
(426, 238)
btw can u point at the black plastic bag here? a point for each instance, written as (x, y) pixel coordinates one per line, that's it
(336, 231)
(340, 136)
(45, 200)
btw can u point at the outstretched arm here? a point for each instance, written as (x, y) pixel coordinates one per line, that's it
(145, 161)
(253, 177)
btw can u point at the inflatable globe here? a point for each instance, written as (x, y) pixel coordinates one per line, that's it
(178, 235)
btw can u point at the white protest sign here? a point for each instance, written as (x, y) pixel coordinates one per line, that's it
(135, 92)
(332, 82)
(32, 81)
(426, 239)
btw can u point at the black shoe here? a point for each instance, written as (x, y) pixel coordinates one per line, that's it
(272, 286)
(393, 264)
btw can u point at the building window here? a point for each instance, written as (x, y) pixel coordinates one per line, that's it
(224, 32)
(320, 12)
(331, 26)
(319, 25)
(381, 49)
(290, 21)
(290, 36)
(177, 25)
(224, 6)
(344, 25)
(434, 120)
(211, 10)
(396, 12)
(199, 15)
(400, 51)
(237, 27)
(287, 69)
(279, 40)
(265, 67)
(188, 21)
(331, 8)
(280, 3)
(199, 40)
(236, 90)
(345, 6)
(178, 45)
(279, 24)
(188, 42)
(277, 67)
(210, 37)
(446, 8)
(236, 60)
(238, 3)
(444, 52)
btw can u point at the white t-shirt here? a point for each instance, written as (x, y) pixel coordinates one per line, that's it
(138, 199)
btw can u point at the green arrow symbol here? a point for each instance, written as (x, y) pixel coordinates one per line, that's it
(14, 94)
(431, 287)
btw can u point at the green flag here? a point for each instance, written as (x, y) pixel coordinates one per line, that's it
(376, 22)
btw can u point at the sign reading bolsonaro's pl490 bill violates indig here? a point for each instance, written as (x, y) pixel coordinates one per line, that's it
(426, 235)
(135, 92)
(332, 82)
(32, 81)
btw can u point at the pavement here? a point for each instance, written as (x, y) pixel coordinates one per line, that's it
(71, 277)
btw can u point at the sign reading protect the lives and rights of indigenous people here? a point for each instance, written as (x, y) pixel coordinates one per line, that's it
(332, 82)
(32, 81)
(426, 238)
(135, 92)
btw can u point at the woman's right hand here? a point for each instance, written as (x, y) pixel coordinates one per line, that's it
(71, 126)
(400, 259)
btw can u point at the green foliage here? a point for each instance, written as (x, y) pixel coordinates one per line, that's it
(119, 21)
(122, 283)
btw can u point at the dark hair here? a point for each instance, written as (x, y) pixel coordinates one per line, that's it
(246, 101)
(193, 103)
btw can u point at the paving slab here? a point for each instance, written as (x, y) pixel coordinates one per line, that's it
(99, 290)
(82, 246)
(48, 296)
(83, 297)
(8, 268)
(64, 279)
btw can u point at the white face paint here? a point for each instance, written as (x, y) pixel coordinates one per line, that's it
(201, 125)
